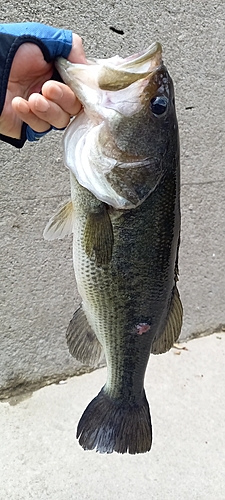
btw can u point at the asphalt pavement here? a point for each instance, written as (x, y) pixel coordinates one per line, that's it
(40, 457)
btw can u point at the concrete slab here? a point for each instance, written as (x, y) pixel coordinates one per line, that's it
(39, 457)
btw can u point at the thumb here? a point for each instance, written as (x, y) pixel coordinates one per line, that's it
(77, 54)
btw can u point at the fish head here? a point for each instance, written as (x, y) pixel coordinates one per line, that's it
(132, 100)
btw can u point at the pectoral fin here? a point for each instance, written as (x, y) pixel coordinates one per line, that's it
(98, 236)
(82, 341)
(173, 326)
(61, 224)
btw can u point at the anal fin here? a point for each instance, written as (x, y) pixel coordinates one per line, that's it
(173, 326)
(82, 341)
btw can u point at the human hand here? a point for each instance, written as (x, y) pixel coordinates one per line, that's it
(30, 74)
(57, 103)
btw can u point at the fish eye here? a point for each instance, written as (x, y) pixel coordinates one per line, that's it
(159, 105)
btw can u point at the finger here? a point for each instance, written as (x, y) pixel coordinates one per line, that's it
(62, 95)
(48, 111)
(77, 54)
(23, 111)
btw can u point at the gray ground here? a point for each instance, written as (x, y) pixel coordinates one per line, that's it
(40, 458)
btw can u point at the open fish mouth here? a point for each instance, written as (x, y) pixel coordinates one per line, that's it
(113, 74)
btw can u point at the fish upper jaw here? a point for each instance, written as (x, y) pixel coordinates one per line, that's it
(138, 62)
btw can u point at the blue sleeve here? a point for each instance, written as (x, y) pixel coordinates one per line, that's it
(58, 42)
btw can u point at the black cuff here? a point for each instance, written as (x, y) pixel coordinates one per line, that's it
(17, 143)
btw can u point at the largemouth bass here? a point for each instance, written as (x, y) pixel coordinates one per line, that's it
(123, 154)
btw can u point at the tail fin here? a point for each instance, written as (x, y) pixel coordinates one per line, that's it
(109, 425)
